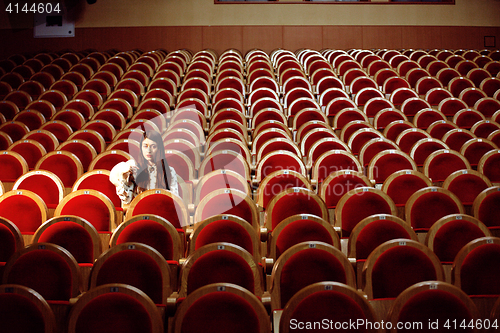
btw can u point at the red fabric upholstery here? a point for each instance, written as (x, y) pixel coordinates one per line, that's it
(376, 233)
(491, 168)
(45, 272)
(44, 186)
(29, 151)
(227, 203)
(134, 268)
(18, 314)
(444, 165)
(220, 181)
(10, 168)
(307, 267)
(71, 236)
(224, 231)
(489, 210)
(220, 312)
(480, 272)
(161, 205)
(340, 186)
(220, 266)
(431, 305)
(402, 188)
(301, 231)
(280, 162)
(398, 268)
(292, 204)
(335, 162)
(331, 305)
(63, 166)
(388, 164)
(114, 312)
(90, 208)
(424, 149)
(150, 233)
(466, 187)
(278, 184)
(109, 161)
(23, 212)
(360, 206)
(101, 183)
(429, 208)
(7, 243)
(452, 236)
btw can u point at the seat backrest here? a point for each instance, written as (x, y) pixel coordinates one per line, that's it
(451, 233)
(360, 203)
(292, 201)
(229, 229)
(24, 208)
(301, 228)
(228, 201)
(333, 300)
(44, 183)
(23, 310)
(304, 264)
(486, 207)
(476, 269)
(135, 264)
(91, 205)
(402, 184)
(47, 268)
(162, 203)
(114, 307)
(65, 165)
(74, 234)
(375, 230)
(429, 204)
(397, 264)
(151, 230)
(434, 302)
(226, 308)
(220, 262)
(466, 185)
(11, 239)
(276, 182)
(98, 179)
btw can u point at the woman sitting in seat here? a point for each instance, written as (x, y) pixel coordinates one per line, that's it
(150, 171)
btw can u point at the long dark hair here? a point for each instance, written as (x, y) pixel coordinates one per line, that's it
(163, 176)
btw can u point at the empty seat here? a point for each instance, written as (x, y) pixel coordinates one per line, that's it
(114, 307)
(304, 264)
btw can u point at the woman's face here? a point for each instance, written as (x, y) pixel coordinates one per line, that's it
(149, 150)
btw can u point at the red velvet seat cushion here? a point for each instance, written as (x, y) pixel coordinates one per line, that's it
(225, 231)
(20, 315)
(331, 305)
(91, 208)
(114, 312)
(71, 236)
(150, 233)
(220, 312)
(429, 208)
(45, 272)
(292, 204)
(301, 231)
(161, 205)
(307, 267)
(376, 233)
(361, 206)
(134, 268)
(398, 268)
(452, 236)
(23, 212)
(480, 272)
(220, 266)
(7, 243)
(431, 305)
